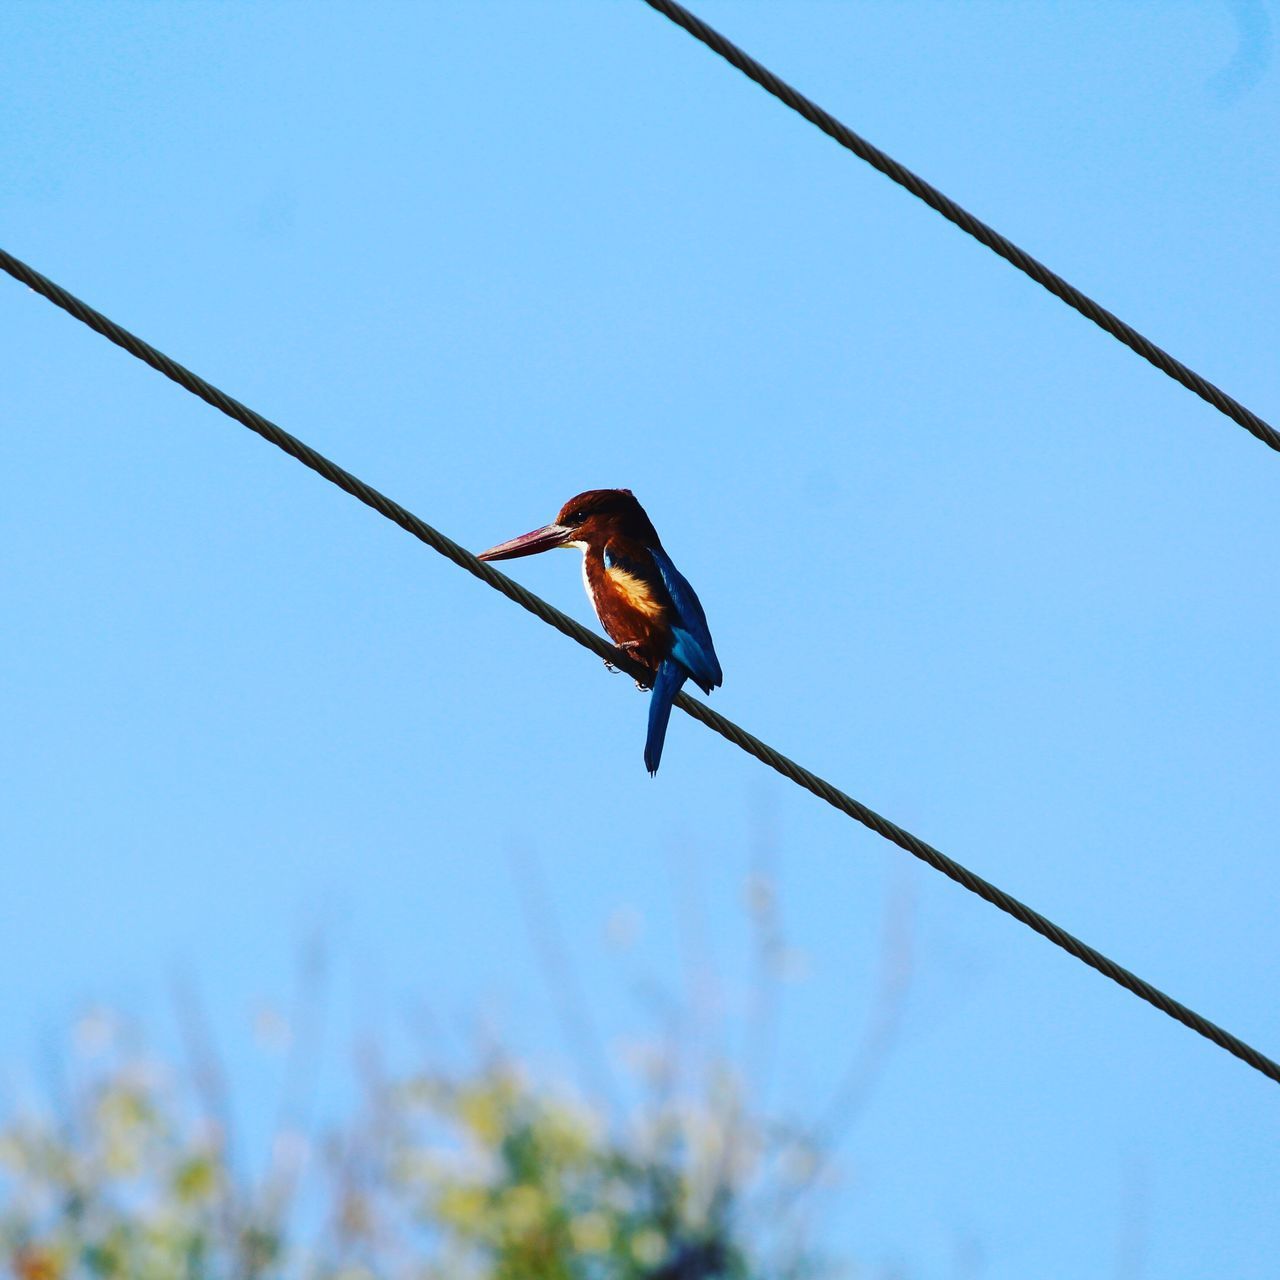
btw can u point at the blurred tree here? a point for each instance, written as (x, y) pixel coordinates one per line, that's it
(439, 1176)
(484, 1176)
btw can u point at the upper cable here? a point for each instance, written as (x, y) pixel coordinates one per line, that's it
(966, 221)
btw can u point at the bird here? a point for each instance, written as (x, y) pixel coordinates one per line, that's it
(642, 600)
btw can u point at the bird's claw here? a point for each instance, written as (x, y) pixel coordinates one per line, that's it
(626, 648)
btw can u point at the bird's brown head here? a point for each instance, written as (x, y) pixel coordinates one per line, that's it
(589, 519)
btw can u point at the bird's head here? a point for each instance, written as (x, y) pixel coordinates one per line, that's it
(590, 519)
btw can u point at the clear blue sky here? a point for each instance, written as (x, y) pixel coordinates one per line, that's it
(960, 551)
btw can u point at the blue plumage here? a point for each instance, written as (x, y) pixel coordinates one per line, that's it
(691, 638)
(692, 654)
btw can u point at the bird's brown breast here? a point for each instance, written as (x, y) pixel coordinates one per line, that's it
(628, 610)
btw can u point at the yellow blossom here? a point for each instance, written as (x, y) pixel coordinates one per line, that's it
(648, 1247)
(195, 1179)
(484, 1108)
(590, 1233)
(462, 1207)
(522, 1209)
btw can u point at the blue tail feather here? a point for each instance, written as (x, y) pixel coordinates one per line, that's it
(671, 676)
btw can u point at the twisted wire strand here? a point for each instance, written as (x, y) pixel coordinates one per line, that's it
(549, 614)
(966, 221)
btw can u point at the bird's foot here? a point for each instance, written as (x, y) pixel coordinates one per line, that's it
(627, 648)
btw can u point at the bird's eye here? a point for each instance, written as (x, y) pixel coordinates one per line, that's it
(577, 517)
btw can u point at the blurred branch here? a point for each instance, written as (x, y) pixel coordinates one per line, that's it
(581, 1035)
(820, 1141)
(766, 953)
(897, 966)
(1131, 1241)
(301, 1074)
(204, 1065)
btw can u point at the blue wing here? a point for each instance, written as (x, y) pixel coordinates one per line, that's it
(691, 643)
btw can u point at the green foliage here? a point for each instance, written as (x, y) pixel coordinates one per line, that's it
(484, 1177)
(124, 1185)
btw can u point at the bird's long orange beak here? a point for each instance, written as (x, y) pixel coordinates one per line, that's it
(528, 544)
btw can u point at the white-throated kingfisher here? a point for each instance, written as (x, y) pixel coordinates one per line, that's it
(642, 600)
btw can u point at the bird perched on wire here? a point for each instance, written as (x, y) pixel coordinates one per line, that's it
(642, 600)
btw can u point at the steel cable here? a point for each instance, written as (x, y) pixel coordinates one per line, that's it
(598, 645)
(966, 221)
